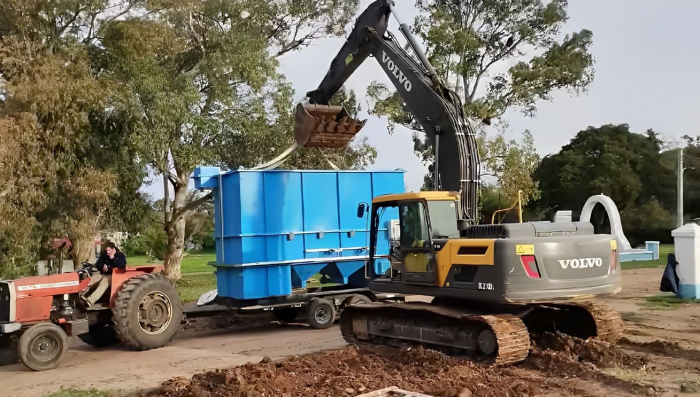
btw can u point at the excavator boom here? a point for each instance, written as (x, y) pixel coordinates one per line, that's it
(436, 108)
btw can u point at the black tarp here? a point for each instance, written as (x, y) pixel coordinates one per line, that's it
(670, 281)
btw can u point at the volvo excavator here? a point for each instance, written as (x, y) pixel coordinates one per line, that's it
(494, 286)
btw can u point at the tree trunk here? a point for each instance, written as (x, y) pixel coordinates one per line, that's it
(82, 252)
(82, 234)
(175, 228)
(175, 250)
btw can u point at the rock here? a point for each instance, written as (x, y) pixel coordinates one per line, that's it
(465, 393)
(517, 389)
(690, 387)
(651, 391)
(350, 390)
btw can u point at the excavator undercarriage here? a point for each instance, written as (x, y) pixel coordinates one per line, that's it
(498, 336)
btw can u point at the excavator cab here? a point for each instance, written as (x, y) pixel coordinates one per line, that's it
(324, 126)
(426, 221)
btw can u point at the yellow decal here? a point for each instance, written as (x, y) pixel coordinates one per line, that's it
(613, 244)
(528, 249)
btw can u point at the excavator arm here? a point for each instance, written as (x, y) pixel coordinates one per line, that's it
(437, 108)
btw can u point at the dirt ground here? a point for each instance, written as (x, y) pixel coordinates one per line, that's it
(659, 355)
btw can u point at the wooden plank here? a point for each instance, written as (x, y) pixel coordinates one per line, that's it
(392, 391)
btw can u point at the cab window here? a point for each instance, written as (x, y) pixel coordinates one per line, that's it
(414, 226)
(443, 219)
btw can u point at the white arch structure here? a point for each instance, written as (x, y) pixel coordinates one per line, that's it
(623, 245)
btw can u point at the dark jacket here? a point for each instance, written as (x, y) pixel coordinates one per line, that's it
(118, 262)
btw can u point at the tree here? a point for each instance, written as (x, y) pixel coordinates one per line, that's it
(267, 143)
(54, 96)
(512, 163)
(611, 160)
(691, 176)
(483, 49)
(54, 100)
(201, 84)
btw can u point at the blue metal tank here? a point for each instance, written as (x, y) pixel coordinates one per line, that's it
(277, 228)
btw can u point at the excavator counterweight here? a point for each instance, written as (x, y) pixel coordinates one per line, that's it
(324, 126)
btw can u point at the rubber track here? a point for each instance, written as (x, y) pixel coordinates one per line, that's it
(511, 333)
(609, 324)
(120, 310)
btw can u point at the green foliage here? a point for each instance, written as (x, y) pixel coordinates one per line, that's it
(93, 91)
(191, 287)
(513, 164)
(201, 87)
(665, 302)
(135, 245)
(79, 393)
(483, 49)
(626, 166)
(53, 96)
(691, 176)
(61, 178)
(466, 38)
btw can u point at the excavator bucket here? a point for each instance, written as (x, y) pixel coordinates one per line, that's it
(324, 126)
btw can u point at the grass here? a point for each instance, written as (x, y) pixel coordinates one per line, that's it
(664, 250)
(197, 277)
(78, 393)
(192, 286)
(192, 262)
(665, 302)
(632, 317)
(639, 377)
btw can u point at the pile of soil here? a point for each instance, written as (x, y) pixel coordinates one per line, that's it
(354, 371)
(351, 371)
(565, 348)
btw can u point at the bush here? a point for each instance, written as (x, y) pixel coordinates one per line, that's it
(157, 241)
(135, 246)
(152, 242)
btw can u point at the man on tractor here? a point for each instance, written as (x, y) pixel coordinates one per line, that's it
(109, 259)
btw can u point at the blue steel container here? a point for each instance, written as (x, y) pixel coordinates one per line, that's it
(276, 228)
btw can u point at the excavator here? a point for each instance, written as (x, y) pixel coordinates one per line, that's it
(493, 286)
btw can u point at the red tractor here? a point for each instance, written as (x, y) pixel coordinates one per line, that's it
(38, 314)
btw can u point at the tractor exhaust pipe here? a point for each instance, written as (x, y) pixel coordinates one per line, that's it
(324, 126)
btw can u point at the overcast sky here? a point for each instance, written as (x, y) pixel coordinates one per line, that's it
(646, 62)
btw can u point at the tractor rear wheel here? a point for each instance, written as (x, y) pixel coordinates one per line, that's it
(147, 312)
(42, 346)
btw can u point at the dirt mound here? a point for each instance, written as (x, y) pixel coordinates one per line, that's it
(560, 348)
(350, 372)
(657, 345)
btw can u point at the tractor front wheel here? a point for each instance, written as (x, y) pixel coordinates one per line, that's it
(42, 346)
(147, 312)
